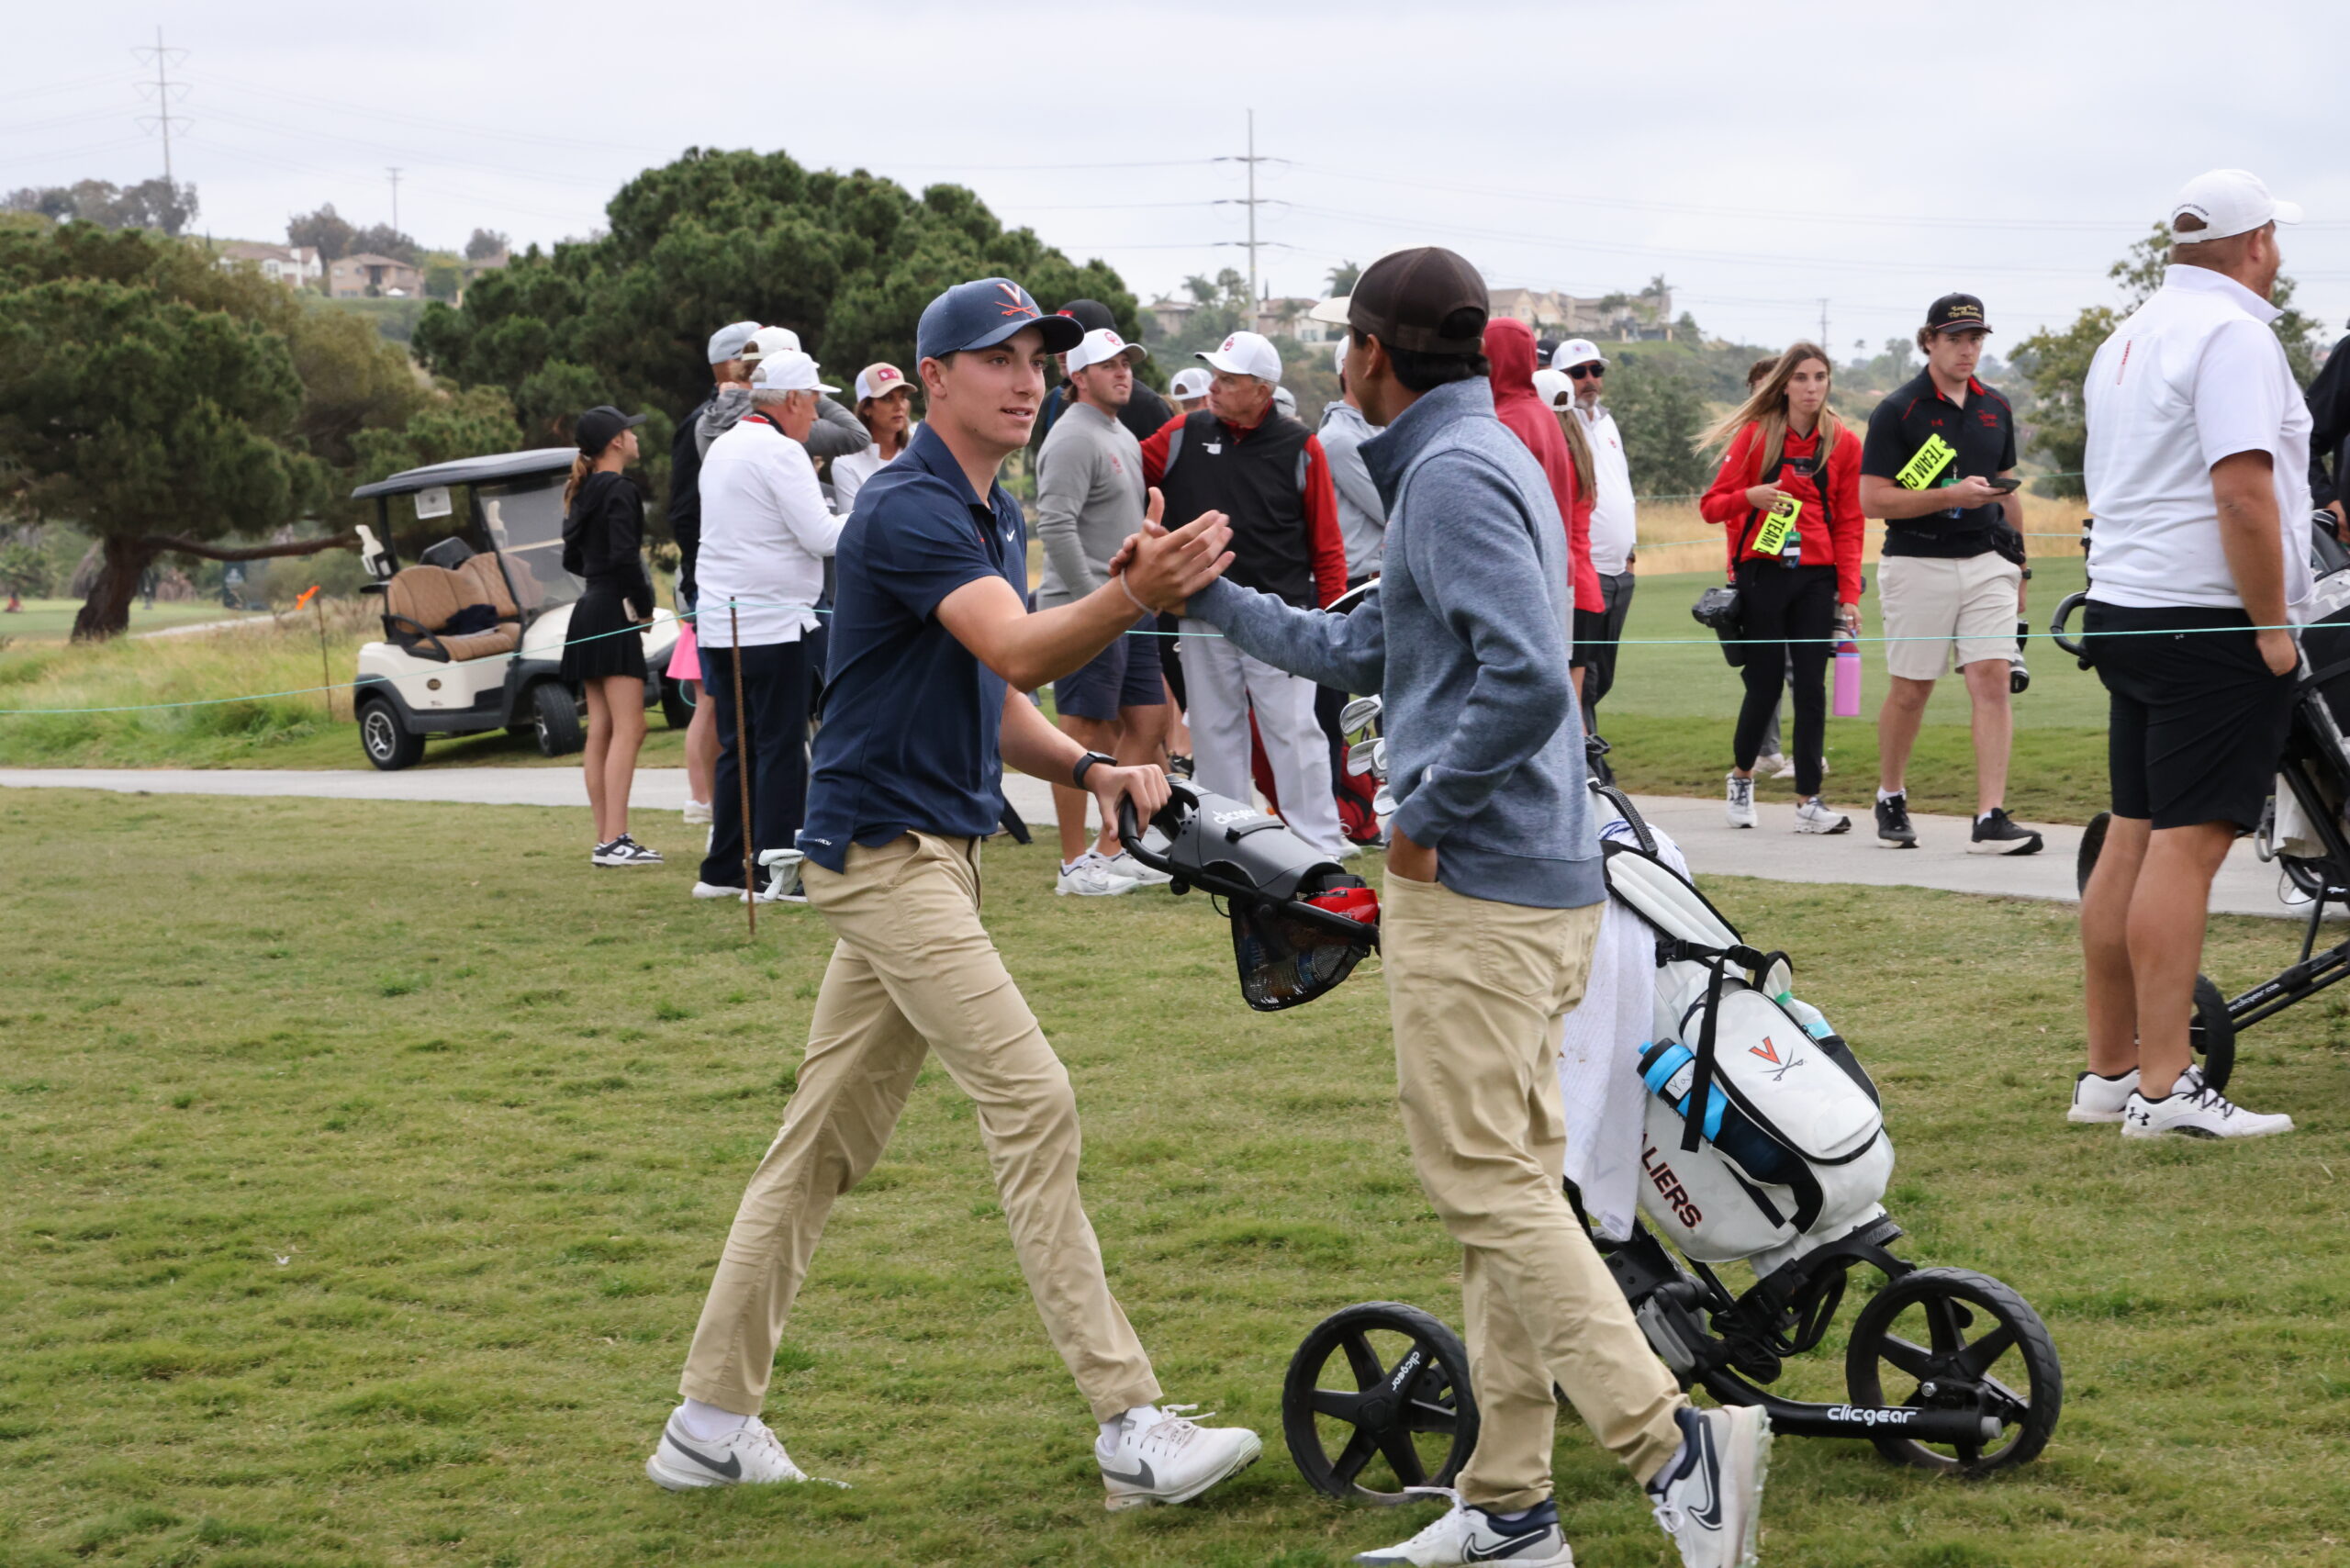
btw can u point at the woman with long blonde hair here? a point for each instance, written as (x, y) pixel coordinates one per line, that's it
(1788, 500)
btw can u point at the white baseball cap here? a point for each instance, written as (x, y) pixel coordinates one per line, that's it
(1554, 388)
(771, 341)
(1285, 400)
(2228, 201)
(1246, 353)
(789, 371)
(1189, 383)
(1339, 359)
(727, 341)
(878, 380)
(1102, 345)
(1576, 351)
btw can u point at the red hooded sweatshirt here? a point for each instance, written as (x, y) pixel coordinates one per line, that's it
(1509, 343)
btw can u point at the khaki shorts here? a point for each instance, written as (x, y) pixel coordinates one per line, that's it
(1933, 605)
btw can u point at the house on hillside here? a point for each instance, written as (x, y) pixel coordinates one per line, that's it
(296, 266)
(1169, 315)
(1285, 317)
(370, 276)
(1626, 317)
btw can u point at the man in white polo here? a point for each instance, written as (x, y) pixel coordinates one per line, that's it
(1615, 515)
(2198, 471)
(1243, 457)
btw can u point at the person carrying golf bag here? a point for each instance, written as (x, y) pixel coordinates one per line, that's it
(1491, 900)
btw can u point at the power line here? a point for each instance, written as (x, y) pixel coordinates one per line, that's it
(1251, 160)
(162, 118)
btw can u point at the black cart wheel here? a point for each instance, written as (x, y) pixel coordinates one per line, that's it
(389, 743)
(555, 718)
(2092, 846)
(1954, 1339)
(2213, 1032)
(677, 708)
(1379, 1392)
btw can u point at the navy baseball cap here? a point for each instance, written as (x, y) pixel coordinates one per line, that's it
(983, 313)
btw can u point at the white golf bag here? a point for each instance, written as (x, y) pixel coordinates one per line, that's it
(1789, 1149)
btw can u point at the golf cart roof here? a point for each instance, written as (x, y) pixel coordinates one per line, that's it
(472, 471)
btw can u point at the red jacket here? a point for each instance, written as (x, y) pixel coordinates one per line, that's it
(1509, 345)
(1829, 534)
(1320, 501)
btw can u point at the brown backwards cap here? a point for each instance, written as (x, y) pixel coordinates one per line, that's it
(1403, 300)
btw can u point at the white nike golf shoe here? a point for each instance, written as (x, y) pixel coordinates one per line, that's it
(1160, 1456)
(1710, 1500)
(748, 1455)
(1469, 1534)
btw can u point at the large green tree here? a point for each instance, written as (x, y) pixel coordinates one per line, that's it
(847, 260)
(163, 403)
(2054, 362)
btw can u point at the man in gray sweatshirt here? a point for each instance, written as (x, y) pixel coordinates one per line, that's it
(1492, 902)
(1090, 500)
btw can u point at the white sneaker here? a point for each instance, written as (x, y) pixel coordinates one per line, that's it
(1091, 876)
(2193, 1110)
(749, 1455)
(624, 851)
(1169, 1459)
(1739, 799)
(1124, 864)
(716, 890)
(1711, 1502)
(1778, 764)
(1469, 1534)
(698, 813)
(2097, 1098)
(1813, 816)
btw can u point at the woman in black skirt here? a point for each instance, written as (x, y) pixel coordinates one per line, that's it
(603, 535)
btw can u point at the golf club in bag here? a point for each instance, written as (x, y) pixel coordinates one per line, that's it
(1300, 922)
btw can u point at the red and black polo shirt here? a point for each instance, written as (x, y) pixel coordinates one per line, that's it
(1982, 436)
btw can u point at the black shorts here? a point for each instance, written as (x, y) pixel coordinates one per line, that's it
(2198, 724)
(1124, 675)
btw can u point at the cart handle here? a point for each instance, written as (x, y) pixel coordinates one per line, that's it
(2064, 608)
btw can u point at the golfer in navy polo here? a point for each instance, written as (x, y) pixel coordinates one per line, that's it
(933, 651)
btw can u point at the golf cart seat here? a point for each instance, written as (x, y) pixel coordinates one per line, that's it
(424, 606)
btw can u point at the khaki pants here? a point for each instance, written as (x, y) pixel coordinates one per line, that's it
(914, 973)
(1479, 992)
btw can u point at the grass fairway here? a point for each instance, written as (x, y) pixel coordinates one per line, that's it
(52, 619)
(361, 1168)
(1674, 705)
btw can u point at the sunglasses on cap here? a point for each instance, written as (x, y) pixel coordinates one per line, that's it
(1578, 372)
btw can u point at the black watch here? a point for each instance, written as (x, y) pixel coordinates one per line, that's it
(1085, 764)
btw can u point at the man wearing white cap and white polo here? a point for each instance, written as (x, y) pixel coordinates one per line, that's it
(766, 534)
(1090, 497)
(1614, 516)
(2198, 472)
(1268, 473)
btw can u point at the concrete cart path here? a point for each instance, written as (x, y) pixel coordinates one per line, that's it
(1773, 851)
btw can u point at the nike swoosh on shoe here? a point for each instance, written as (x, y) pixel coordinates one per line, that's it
(1142, 1476)
(731, 1469)
(1710, 1467)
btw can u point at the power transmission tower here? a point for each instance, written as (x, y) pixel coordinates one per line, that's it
(163, 91)
(394, 170)
(1252, 204)
(1823, 323)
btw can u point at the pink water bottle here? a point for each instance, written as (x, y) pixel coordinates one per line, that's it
(1848, 678)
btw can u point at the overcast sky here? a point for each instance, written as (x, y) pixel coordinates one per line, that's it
(1761, 159)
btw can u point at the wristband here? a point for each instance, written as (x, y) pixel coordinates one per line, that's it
(1085, 764)
(1137, 603)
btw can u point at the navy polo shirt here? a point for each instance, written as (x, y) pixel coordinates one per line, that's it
(911, 717)
(1981, 436)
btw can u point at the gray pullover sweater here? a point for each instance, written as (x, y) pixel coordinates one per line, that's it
(1090, 497)
(835, 433)
(1467, 638)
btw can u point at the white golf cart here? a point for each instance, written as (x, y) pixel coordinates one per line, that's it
(473, 626)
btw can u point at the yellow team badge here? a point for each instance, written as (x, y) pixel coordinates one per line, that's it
(1926, 467)
(1771, 539)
